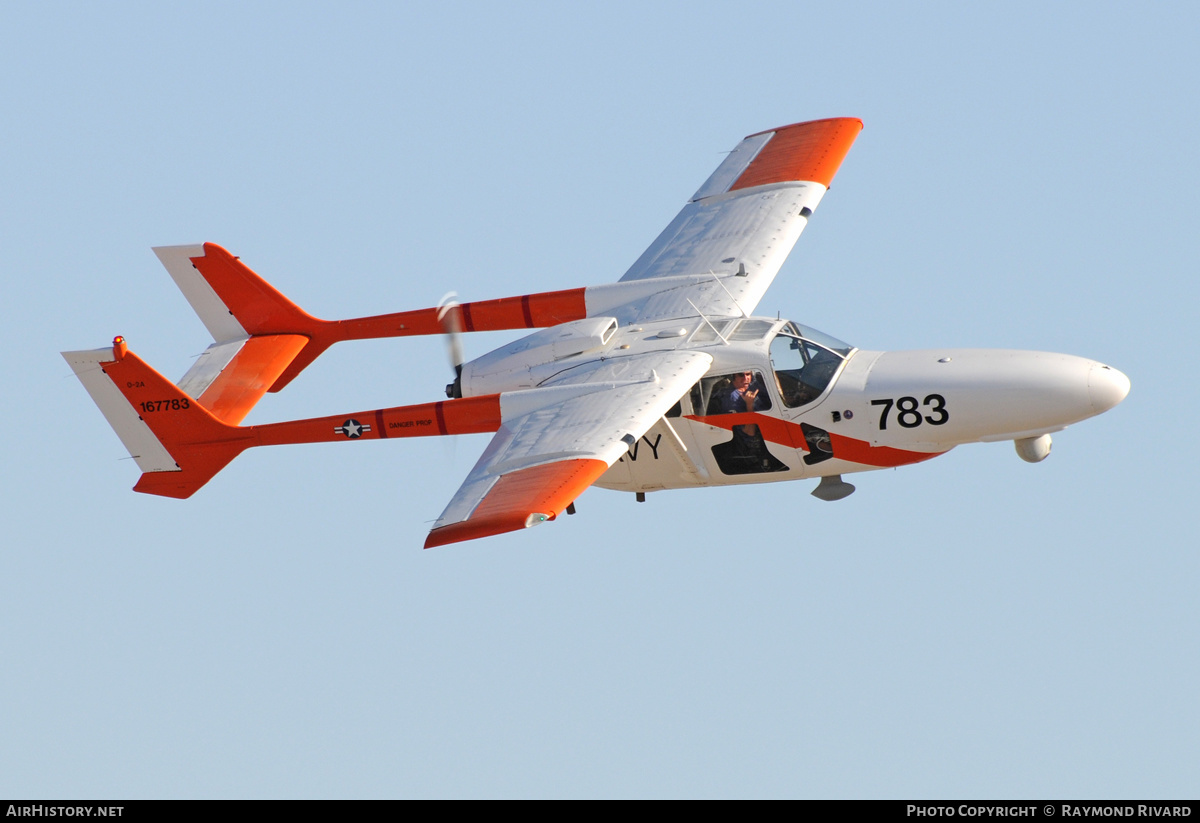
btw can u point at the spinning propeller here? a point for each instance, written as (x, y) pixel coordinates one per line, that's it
(450, 316)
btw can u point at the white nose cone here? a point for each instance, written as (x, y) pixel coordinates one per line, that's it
(1106, 386)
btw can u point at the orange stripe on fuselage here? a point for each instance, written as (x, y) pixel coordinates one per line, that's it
(860, 451)
(791, 435)
(546, 489)
(803, 151)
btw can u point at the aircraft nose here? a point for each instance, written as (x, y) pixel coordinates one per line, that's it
(1106, 387)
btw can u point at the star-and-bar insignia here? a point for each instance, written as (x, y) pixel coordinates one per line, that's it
(351, 428)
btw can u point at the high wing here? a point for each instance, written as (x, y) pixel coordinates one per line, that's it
(565, 403)
(744, 221)
(716, 258)
(556, 441)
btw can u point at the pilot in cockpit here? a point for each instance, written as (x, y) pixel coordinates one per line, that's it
(743, 396)
(739, 393)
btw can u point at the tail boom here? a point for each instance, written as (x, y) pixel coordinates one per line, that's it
(180, 445)
(235, 304)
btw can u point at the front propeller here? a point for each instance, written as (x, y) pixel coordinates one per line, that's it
(450, 317)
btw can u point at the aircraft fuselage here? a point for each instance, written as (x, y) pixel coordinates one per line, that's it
(820, 408)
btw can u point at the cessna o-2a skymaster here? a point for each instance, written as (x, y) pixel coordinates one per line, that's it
(662, 380)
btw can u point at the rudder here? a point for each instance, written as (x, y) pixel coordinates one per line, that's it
(177, 443)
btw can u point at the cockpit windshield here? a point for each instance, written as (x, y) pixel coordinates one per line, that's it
(818, 337)
(805, 361)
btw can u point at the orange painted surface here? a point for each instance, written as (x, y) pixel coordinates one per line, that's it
(772, 428)
(792, 436)
(530, 311)
(860, 451)
(803, 151)
(554, 307)
(547, 490)
(253, 370)
(468, 415)
(263, 310)
(200, 443)
(256, 304)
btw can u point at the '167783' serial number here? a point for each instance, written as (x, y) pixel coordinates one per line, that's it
(174, 404)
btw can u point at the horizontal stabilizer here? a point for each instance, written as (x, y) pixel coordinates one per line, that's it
(230, 378)
(180, 445)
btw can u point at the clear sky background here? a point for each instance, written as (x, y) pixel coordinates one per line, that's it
(969, 627)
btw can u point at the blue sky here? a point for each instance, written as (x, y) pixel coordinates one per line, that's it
(969, 627)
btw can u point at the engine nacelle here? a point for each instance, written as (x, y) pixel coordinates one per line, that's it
(1033, 449)
(510, 367)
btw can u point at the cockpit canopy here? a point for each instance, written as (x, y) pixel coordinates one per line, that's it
(805, 361)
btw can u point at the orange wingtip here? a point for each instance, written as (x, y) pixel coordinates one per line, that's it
(802, 151)
(523, 498)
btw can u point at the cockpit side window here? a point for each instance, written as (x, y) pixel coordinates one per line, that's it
(803, 369)
(746, 452)
(712, 395)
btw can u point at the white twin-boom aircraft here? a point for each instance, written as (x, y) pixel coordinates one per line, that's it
(662, 380)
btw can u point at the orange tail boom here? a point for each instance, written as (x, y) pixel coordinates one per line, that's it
(180, 445)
